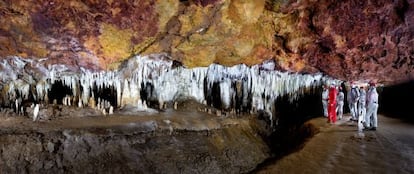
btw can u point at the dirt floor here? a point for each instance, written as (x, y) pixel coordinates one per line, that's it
(339, 149)
(165, 142)
(189, 141)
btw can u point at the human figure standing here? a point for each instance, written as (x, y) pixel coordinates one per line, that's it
(332, 104)
(340, 103)
(372, 108)
(361, 108)
(325, 97)
(353, 102)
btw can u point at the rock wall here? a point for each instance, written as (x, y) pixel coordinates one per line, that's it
(134, 148)
(349, 40)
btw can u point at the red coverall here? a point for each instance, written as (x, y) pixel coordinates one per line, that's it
(332, 104)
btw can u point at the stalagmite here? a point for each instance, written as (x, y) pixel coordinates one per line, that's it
(69, 100)
(161, 104)
(22, 110)
(225, 93)
(17, 105)
(80, 104)
(91, 102)
(35, 112)
(64, 101)
(111, 110)
(98, 106)
(175, 105)
(107, 104)
(118, 92)
(46, 101)
(125, 93)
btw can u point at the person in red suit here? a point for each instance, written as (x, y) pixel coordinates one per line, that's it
(332, 104)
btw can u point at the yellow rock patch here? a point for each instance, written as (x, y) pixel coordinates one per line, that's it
(246, 11)
(165, 10)
(115, 43)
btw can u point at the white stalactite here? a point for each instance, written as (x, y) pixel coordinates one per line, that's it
(260, 85)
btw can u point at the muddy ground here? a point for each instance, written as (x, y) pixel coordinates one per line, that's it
(339, 149)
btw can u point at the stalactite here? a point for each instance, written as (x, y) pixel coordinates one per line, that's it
(144, 80)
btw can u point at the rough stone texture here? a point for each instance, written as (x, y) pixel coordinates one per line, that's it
(347, 39)
(135, 148)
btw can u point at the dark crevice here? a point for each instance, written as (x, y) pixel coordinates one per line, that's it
(106, 93)
(384, 53)
(311, 24)
(283, 42)
(58, 92)
(324, 48)
(148, 95)
(401, 8)
(396, 101)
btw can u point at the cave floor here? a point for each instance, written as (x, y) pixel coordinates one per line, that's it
(172, 141)
(339, 149)
(336, 148)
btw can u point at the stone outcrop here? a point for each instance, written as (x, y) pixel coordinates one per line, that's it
(348, 39)
(144, 146)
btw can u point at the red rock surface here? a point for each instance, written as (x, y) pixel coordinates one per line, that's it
(361, 39)
(348, 39)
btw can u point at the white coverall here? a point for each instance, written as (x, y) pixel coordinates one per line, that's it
(340, 104)
(361, 109)
(372, 108)
(325, 97)
(353, 102)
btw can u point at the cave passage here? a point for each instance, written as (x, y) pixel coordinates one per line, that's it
(105, 93)
(58, 92)
(397, 101)
(290, 131)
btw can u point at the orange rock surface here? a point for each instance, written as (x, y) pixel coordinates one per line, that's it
(348, 39)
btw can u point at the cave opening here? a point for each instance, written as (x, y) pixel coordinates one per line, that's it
(58, 91)
(108, 93)
(243, 96)
(212, 94)
(148, 95)
(396, 101)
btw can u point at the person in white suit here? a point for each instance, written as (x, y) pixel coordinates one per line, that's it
(371, 118)
(325, 97)
(361, 108)
(353, 97)
(340, 103)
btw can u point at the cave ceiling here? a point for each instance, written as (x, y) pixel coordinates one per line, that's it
(348, 40)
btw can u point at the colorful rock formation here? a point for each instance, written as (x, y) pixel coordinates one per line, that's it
(347, 39)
